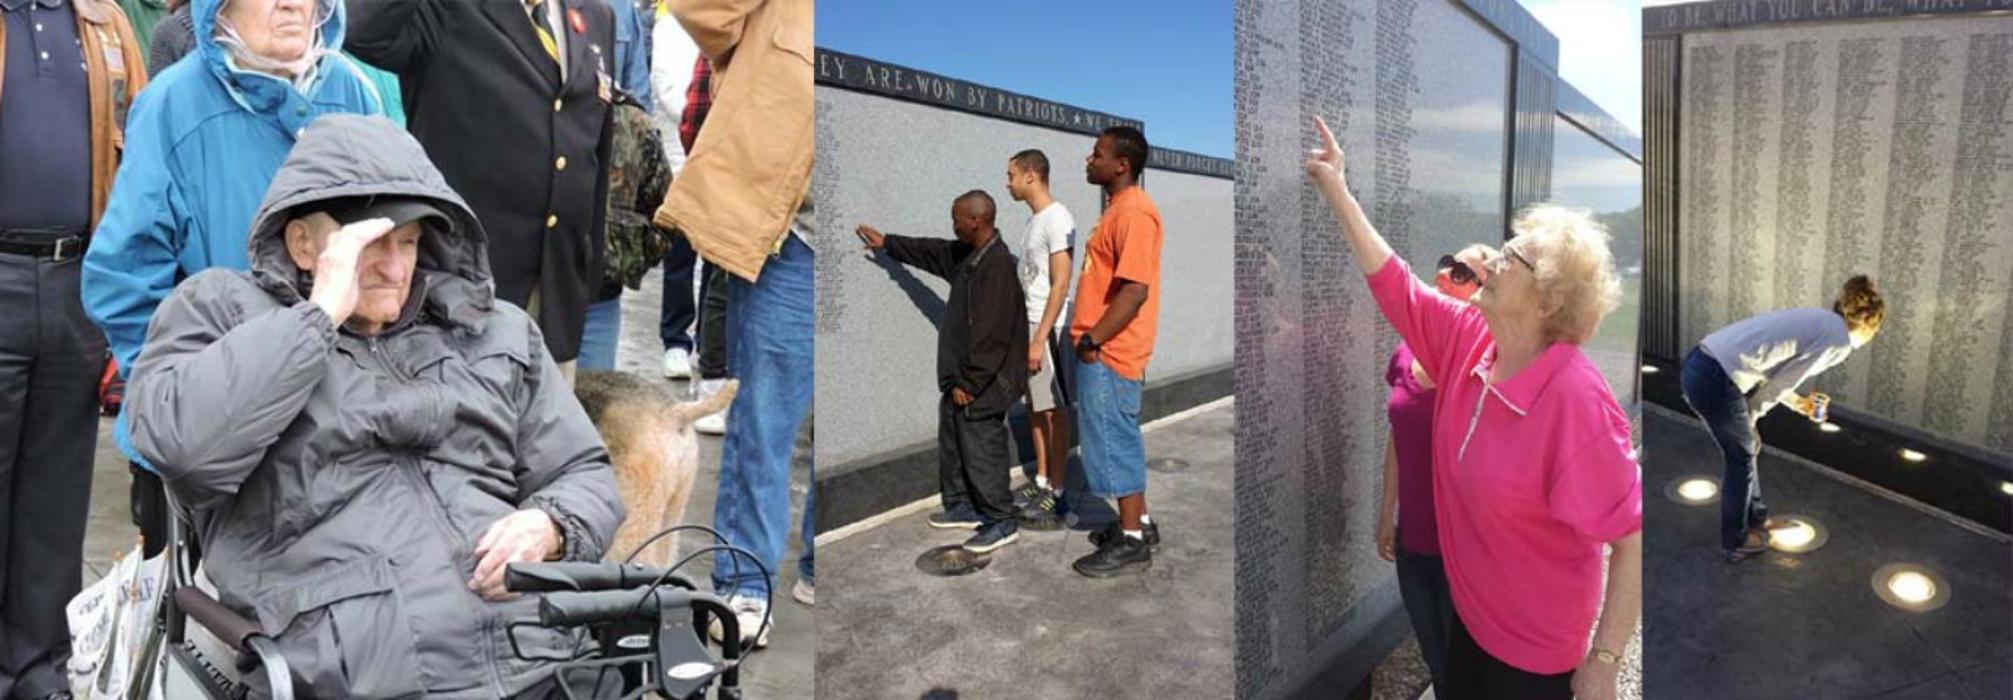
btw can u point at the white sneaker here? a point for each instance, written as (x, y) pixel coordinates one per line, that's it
(804, 593)
(748, 611)
(712, 424)
(677, 363)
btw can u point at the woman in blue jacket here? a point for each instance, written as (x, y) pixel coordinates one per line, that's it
(202, 143)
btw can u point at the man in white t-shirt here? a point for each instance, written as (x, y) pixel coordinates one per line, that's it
(1044, 277)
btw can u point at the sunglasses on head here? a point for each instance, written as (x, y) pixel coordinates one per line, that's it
(1457, 271)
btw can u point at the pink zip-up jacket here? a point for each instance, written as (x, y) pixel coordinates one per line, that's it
(1531, 476)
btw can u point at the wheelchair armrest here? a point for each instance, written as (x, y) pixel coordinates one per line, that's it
(216, 618)
(251, 643)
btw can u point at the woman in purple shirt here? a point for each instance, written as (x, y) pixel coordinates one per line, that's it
(1406, 533)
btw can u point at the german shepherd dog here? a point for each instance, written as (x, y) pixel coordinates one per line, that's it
(654, 450)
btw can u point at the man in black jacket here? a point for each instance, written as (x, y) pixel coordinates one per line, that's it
(511, 99)
(981, 366)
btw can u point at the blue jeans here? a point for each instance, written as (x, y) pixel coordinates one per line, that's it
(1107, 418)
(770, 341)
(602, 334)
(1715, 399)
(1422, 583)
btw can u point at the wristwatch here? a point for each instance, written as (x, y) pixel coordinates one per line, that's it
(1084, 344)
(1606, 657)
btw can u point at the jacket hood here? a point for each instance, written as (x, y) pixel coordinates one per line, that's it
(348, 155)
(255, 89)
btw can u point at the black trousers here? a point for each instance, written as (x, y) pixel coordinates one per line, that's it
(712, 362)
(1472, 674)
(675, 315)
(973, 459)
(50, 359)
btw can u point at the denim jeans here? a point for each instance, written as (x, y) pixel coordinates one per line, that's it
(771, 326)
(1422, 583)
(1107, 417)
(1715, 399)
(601, 335)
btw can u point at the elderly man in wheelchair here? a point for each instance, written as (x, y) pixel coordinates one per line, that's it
(362, 437)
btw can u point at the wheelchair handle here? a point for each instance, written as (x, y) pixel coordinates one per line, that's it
(542, 577)
(216, 618)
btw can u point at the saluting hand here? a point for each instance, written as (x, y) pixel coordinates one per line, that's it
(335, 273)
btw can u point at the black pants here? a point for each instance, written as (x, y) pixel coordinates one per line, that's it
(712, 323)
(149, 504)
(50, 359)
(973, 457)
(1472, 674)
(675, 315)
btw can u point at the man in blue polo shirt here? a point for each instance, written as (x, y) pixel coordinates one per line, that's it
(68, 69)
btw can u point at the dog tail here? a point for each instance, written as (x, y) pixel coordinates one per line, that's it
(691, 410)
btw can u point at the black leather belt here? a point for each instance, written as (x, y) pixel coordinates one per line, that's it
(57, 246)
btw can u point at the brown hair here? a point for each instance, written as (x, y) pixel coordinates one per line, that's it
(1861, 306)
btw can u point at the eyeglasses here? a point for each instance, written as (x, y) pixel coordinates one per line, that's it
(1512, 254)
(1457, 271)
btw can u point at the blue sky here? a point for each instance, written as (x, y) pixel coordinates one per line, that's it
(1167, 63)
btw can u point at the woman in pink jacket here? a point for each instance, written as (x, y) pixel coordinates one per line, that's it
(1533, 473)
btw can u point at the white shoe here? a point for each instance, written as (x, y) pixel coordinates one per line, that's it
(749, 612)
(712, 424)
(804, 593)
(677, 363)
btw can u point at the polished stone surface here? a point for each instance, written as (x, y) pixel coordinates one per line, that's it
(1810, 153)
(1810, 625)
(1426, 146)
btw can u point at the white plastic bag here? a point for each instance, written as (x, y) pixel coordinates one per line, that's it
(113, 631)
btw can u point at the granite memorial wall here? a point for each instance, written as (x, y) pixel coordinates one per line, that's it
(1812, 151)
(1448, 112)
(1426, 141)
(895, 147)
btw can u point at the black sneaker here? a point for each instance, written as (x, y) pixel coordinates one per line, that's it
(962, 517)
(1150, 531)
(1030, 492)
(999, 534)
(1118, 555)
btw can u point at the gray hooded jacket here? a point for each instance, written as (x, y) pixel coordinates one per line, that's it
(340, 483)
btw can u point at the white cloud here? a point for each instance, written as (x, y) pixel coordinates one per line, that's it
(1596, 172)
(1600, 51)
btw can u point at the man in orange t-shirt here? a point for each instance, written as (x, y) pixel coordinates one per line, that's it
(1117, 312)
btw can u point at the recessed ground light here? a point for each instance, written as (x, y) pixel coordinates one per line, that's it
(1799, 534)
(1829, 427)
(1912, 455)
(1693, 490)
(1911, 587)
(1650, 369)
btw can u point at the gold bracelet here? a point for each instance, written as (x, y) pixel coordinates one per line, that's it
(1606, 657)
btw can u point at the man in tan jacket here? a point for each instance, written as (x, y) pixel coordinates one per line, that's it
(742, 200)
(68, 71)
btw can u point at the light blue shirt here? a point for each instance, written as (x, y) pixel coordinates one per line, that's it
(1769, 355)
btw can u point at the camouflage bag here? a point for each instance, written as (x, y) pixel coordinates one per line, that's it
(637, 178)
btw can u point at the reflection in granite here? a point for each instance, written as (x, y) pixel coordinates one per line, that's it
(1426, 149)
(1589, 174)
(1816, 152)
